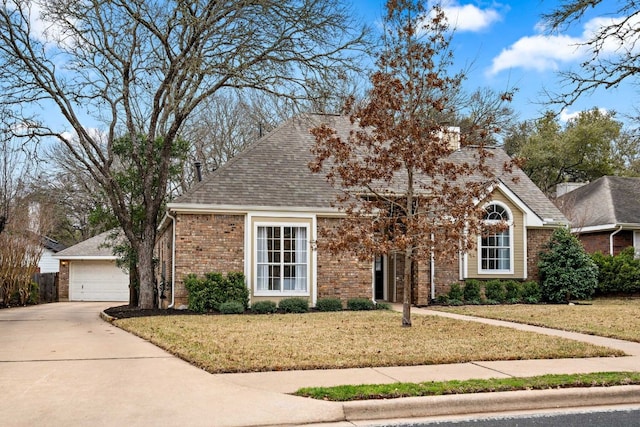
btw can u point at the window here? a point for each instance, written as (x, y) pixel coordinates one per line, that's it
(281, 259)
(495, 247)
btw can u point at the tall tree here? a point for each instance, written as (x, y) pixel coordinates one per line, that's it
(142, 67)
(580, 151)
(613, 56)
(402, 191)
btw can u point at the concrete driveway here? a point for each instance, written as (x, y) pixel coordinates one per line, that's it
(61, 365)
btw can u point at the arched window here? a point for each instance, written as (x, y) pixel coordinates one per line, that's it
(495, 247)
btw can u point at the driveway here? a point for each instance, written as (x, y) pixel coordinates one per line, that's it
(61, 365)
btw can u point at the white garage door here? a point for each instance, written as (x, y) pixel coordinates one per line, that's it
(97, 281)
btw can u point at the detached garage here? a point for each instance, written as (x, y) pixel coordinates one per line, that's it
(88, 272)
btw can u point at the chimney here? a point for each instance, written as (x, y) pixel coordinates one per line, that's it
(198, 166)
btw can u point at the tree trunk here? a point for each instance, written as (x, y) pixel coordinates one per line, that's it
(134, 283)
(146, 274)
(406, 300)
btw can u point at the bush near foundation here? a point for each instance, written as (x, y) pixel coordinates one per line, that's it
(618, 274)
(329, 304)
(264, 307)
(360, 304)
(206, 294)
(294, 305)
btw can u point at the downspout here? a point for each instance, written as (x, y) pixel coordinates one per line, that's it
(173, 260)
(611, 239)
(432, 269)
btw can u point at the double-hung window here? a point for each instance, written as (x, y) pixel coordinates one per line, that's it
(496, 247)
(282, 264)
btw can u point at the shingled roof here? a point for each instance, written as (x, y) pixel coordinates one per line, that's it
(97, 247)
(274, 172)
(609, 200)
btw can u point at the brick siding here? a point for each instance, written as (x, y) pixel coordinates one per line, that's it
(599, 242)
(536, 240)
(63, 281)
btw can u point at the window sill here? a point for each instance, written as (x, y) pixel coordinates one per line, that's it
(281, 294)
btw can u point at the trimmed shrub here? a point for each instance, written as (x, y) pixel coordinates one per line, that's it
(455, 292)
(472, 292)
(231, 307)
(264, 307)
(531, 292)
(360, 304)
(566, 271)
(495, 291)
(329, 304)
(383, 306)
(294, 305)
(208, 293)
(513, 291)
(618, 274)
(442, 299)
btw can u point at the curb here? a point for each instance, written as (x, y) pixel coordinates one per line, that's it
(463, 404)
(104, 316)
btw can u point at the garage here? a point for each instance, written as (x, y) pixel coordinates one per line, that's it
(88, 272)
(98, 280)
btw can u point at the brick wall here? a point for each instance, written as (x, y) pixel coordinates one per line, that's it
(63, 281)
(536, 240)
(599, 242)
(342, 276)
(206, 243)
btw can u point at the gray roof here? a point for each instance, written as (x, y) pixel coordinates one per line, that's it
(99, 246)
(52, 245)
(607, 200)
(274, 172)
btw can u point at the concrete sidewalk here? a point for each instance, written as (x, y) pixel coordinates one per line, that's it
(61, 365)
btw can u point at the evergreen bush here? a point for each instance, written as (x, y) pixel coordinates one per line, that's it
(206, 294)
(618, 274)
(495, 291)
(231, 307)
(566, 271)
(531, 292)
(455, 292)
(264, 307)
(294, 305)
(472, 292)
(329, 304)
(513, 291)
(359, 304)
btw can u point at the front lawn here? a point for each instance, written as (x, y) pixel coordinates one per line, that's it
(607, 317)
(251, 343)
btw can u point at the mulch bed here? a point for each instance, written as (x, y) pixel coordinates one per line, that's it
(126, 311)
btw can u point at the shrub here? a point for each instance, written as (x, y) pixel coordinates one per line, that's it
(442, 299)
(329, 304)
(383, 306)
(294, 305)
(455, 292)
(566, 271)
(513, 291)
(264, 307)
(531, 293)
(231, 307)
(208, 293)
(472, 292)
(618, 274)
(495, 291)
(360, 304)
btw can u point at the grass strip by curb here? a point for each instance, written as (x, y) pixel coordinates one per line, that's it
(438, 388)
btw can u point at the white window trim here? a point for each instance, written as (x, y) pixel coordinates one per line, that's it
(254, 266)
(510, 270)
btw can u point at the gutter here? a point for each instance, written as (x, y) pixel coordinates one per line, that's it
(432, 267)
(611, 239)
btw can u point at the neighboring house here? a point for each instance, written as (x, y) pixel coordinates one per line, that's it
(47, 263)
(262, 212)
(88, 272)
(605, 214)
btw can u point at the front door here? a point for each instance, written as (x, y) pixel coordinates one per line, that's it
(378, 271)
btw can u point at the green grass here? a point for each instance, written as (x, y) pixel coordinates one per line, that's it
(396, 390)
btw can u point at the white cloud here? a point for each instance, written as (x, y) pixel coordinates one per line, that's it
(547, 52)
(566, 116)
(469, 17)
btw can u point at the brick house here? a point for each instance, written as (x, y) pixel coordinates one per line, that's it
(262, 214)
(605, 214)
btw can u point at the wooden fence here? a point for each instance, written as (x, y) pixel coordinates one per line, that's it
(48, 284)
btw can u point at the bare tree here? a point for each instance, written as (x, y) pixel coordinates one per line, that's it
(402, 190)
(142, 67)
(613, 56)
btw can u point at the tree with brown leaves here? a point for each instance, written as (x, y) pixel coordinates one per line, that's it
(403, 190)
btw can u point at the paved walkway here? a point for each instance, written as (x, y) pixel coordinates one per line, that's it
(60, 364)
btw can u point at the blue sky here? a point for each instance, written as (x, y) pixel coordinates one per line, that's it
(504, 42)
